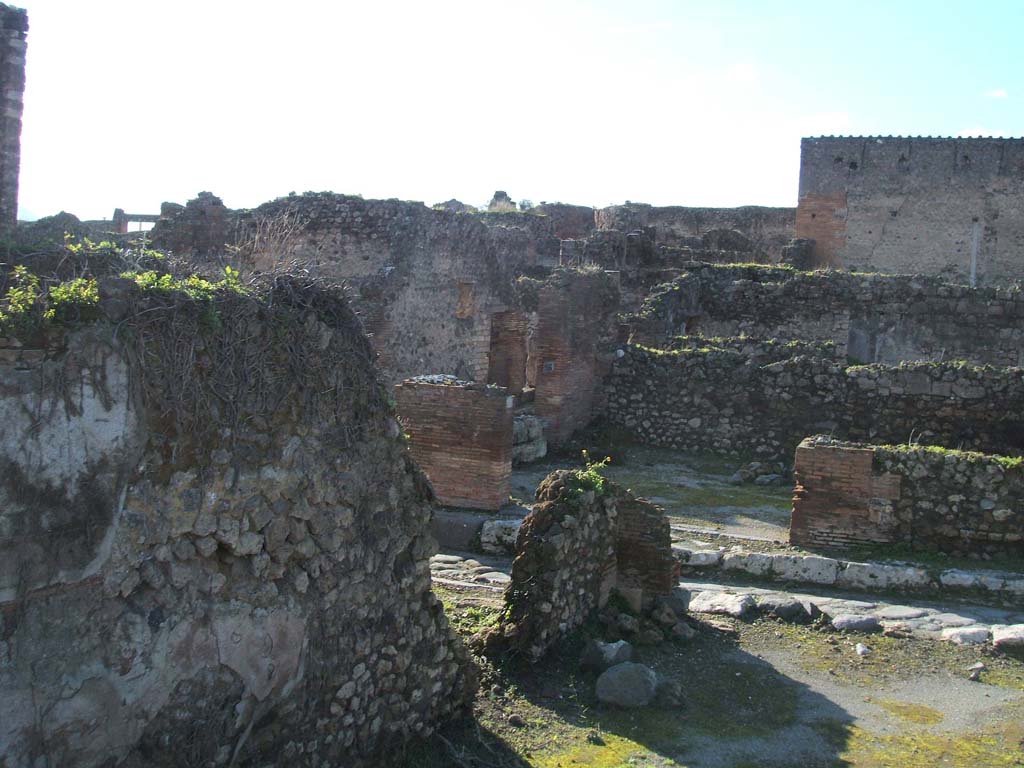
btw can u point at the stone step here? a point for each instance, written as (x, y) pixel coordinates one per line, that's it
(870, 576)
(961, 624)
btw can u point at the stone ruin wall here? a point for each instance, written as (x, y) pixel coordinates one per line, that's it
(425, 282)
(869, 318)
(213, 579)
(720, 400)
(578, 545)
(915, 205)
(768, 229)
(960, 503)
(13, 31)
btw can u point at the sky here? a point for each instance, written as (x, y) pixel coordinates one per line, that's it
(130, 103)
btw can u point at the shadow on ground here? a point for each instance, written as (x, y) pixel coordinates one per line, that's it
(738, 710)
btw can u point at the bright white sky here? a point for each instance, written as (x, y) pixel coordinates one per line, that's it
(132, 102)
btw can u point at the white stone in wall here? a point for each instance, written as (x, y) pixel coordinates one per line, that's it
(499, 536)
(882, 576)
(812, 568)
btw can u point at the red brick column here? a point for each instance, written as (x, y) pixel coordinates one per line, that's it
(839, 500)
(461, 436)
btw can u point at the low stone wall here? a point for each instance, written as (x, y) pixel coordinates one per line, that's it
(582, 540)
(935, 500)
(460, 433)
(870, 318)
(213, 543)
(720, 400)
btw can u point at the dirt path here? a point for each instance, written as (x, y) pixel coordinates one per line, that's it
(693, 490)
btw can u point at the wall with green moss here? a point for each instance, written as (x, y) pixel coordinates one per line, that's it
(724, 400)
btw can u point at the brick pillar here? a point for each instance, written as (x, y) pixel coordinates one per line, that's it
(507, 359)
(460, 434)
(839, 500)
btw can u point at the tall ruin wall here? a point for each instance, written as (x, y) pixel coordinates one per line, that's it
(428, 282)
(213, 543)
(424, 281)
(720, 400)
(936, 206)
(13, 32)
(869, 318)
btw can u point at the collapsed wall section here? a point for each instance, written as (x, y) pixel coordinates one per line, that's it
(460, 433)
(934, 500)
(720, 400)
(214, 542)
(583, 539)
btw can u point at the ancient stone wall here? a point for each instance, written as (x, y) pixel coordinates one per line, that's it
(759, 351)
(768, 229)
(197, 230)
(584, 538)
(948, 501)
(568, 221)
(13, 31)
(870, 318)
(720, 400)
(424, 281)
(460, 433)
(937, 206)
(213, 543)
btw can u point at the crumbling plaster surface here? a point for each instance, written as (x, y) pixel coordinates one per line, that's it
(265, 593)
(72, 429)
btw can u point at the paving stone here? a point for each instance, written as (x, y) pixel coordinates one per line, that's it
(853, 622)
(726, 604)
(1008, 636)
(448, 559)
(494, 577)
(959, 579)
(900, 612)
(784, 607)
(976, 635)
